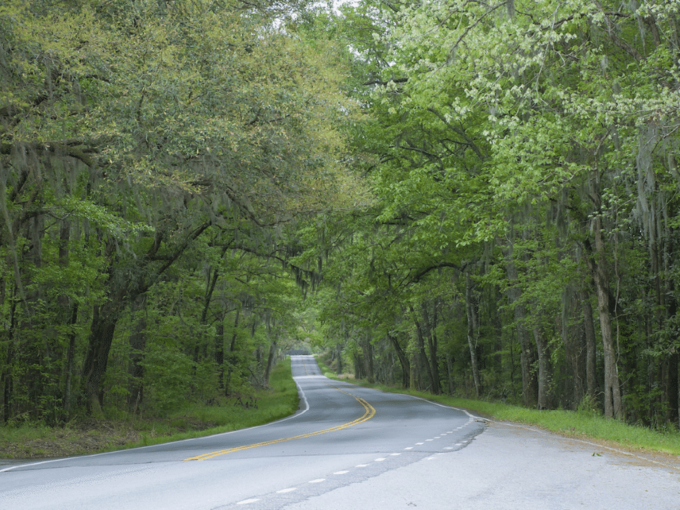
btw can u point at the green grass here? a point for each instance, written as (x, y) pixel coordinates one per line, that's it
(580, 424)
(279, 401)
(325, 370)
(30, 441)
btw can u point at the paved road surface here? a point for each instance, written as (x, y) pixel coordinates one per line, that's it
(351, 447)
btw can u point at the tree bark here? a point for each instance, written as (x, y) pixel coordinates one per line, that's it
(104, 320)
(673, 404)
(673, 414)
(544, 371)
(137, 348)
(432, 344)
(105, 317)
(403, 359)
(591, 355)
(358, 365)
(421, 347)
(574, 345)
(71, 311)
(7, 379)
(526, 355)
(370, 370)
(339, 347)
(612, 392)
(219, 352)
(270, 362)
(449, 370)
(70, 357)
(232, 348)
(472, 332)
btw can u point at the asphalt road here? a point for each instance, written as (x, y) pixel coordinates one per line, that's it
(351, 447)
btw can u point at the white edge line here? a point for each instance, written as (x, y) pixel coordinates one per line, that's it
(539, 430)
(511, 425)
(296, 415)
(446, 407)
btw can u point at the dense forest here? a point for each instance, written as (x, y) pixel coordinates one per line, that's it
(460, 197)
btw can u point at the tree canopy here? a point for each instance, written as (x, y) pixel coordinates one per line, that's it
(464, 197)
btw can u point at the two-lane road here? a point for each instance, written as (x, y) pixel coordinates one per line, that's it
(342, 436)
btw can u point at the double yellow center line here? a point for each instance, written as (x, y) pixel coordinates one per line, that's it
(368, 414)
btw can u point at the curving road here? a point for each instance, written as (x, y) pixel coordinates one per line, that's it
(342, 434)
(350, 447)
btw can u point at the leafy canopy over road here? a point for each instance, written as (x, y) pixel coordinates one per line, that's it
(483, 197)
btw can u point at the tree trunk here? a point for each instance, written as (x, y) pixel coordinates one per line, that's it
(527, 355)
(232, 348)
(574, 344)
(270, 362)
(403, 359)
(673, 388)
(612, 392)
(449, 370)
(70, 357)
(472, 332)
(421, 347)
(673, 414)
(358, 365)
(339, 371)
(543, 370)
(7, 379)
(591, 355)
(432, 344)
(70, 310)
(103, 326)
(370, 370)
(219, 352)
(137, 347)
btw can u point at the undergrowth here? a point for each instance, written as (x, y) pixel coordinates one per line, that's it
(584, 423)
(92, 436)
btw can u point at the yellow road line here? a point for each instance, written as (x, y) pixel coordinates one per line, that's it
(368, 414)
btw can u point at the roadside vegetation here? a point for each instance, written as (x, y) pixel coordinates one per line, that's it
(587, 422)
(84, 436)
(156, 162)
(459, 198)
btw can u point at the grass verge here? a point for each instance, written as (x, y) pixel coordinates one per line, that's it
(579, 424)
(325, 370)
(90, 436)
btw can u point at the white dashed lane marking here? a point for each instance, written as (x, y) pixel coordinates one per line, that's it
(381, 459)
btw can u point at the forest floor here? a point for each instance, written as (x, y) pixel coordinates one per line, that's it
(585, 424)
(86, 436)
